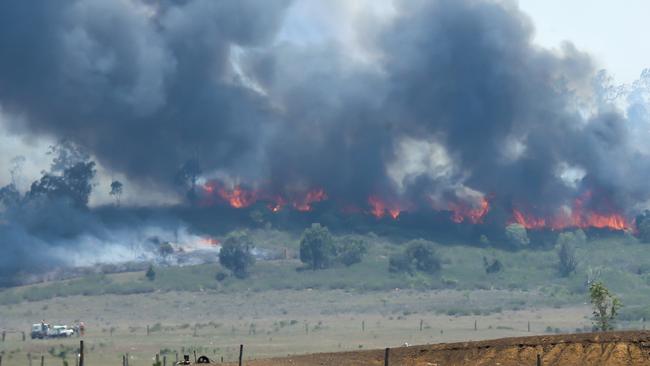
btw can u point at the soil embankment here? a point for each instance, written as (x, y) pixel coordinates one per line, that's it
(611, 349)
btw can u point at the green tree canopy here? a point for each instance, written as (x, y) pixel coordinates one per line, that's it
(517, 235)
(351, 251)
(317, 249)
(150, 274)
(236, 253)
(419, 255)
(605, 305)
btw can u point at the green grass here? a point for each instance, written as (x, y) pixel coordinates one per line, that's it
(621, 262)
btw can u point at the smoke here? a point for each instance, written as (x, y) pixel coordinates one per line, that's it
(422, 104)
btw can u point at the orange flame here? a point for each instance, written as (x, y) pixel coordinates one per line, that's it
(304, 204)
(238, 197)
(475, 215)
(579, 217)
(379, 208)
(210, 241)
(276, 204)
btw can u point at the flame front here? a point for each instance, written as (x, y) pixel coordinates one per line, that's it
(238, 197)
(304, 204)
(379, 208)
(578, 217)
(474, 214)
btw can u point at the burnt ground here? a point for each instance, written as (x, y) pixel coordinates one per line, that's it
(610, 348)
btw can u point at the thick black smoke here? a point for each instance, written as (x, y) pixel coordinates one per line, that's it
(455, 101)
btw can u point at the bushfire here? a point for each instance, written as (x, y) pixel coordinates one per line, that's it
(577, 215)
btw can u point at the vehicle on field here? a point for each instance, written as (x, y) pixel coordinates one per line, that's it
(60, 331)
(40, 330)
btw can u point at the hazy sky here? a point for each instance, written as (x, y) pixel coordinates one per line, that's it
(614, 32)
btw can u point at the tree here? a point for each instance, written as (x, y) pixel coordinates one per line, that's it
(643, 226)
(65, 154)
(236, 253)
(400, 263)
(605, 306)
(566, 253)
(165, 249)
(419, 255)
(351, 251)
(567, 259)
(74, 184)
(9, 195)
(317, 248)
(116, 191)
(492, 266)
(150, 274)
(517, 235)
(424, 256)
(187, 176)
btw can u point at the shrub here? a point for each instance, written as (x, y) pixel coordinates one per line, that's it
(493, 266)
(317, 248)
(351, 251)
(567, 259)
(517, 235)
(419, 255)
(236, 255)
(399, 263)
(150, 274)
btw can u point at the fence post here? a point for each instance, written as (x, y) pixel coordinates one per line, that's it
(29, 358)
(241, 353)
(157, 359)
(164, 360)
(194, 356)
(421, 323)
(147, 329)
(176, 356)
(4, 334)
(23, 336)
(386, 357)
(475, 325)
(42, 360)
(539, 360)
(123, 360)
(363, 325)
(81, 353)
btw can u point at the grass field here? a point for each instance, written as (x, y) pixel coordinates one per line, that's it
(279, 310)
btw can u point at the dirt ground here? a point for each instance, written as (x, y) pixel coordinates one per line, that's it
(611, 349)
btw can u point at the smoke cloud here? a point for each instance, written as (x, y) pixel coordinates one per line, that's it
(440, 101)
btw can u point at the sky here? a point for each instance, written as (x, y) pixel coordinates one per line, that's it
(614, 32)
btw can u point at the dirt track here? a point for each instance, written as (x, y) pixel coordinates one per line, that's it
(611, 349)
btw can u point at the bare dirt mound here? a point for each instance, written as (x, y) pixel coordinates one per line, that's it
(611, 349)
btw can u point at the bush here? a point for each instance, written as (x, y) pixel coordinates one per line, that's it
(317, 248)
(424, 256)
(236, 255)
(399, 263)
(493, 266)
(419, 255)
(517, 235)
(643, 226)
(567, 259)
(150, 274)
(351, 251)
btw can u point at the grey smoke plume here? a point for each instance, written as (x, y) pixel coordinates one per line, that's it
(455, 102)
